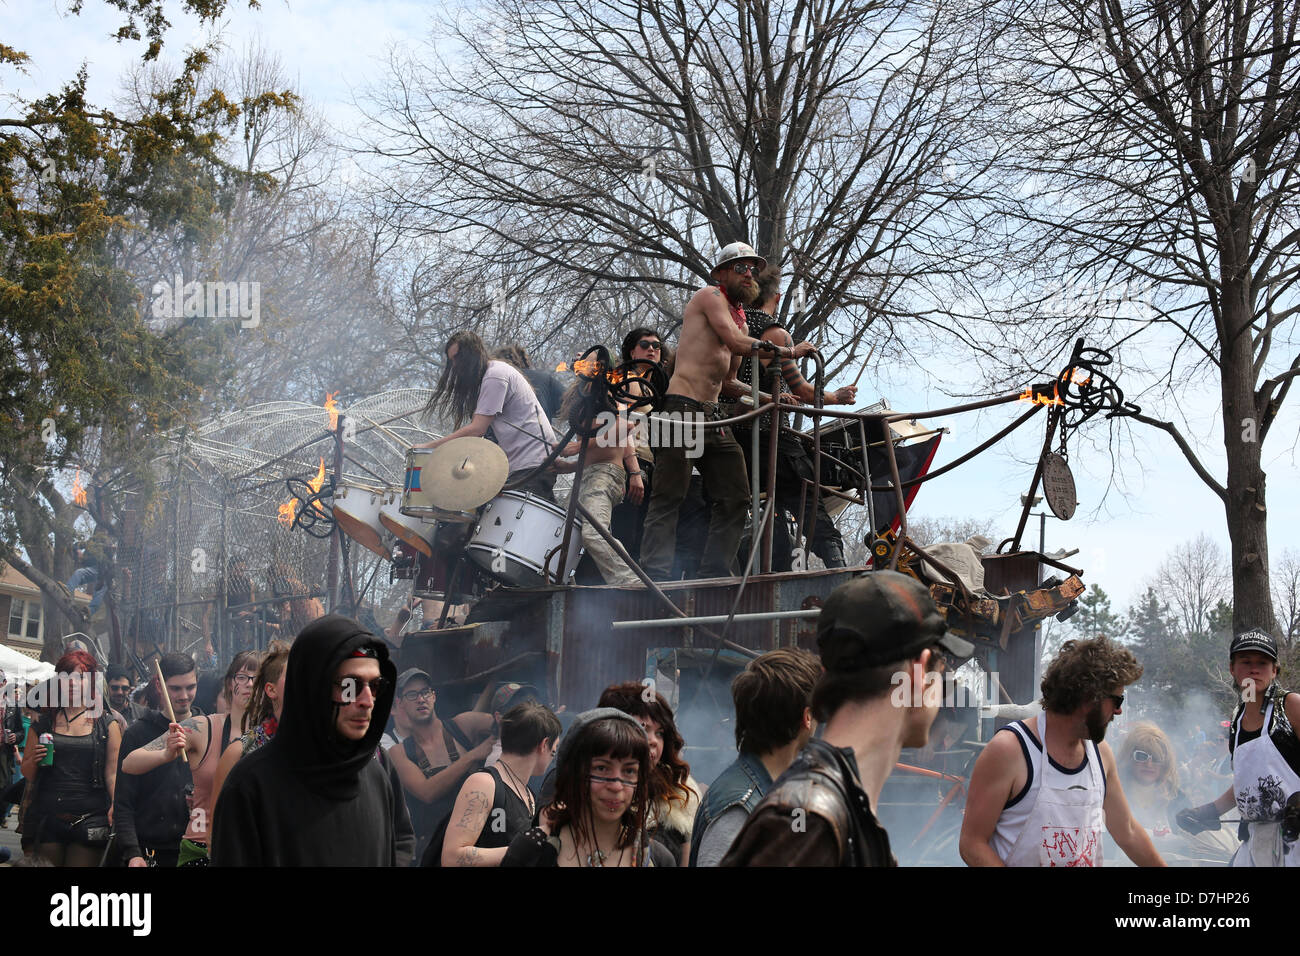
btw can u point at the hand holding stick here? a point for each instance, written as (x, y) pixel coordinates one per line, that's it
(162, 690)
(864, 366)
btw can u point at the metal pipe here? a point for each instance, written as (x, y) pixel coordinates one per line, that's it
(867, 490)
(898, 494)
(332, 565)
(769, 520)
(574, 492)
(754, 504)
(984, 446)
(819, 393)
(716, 619)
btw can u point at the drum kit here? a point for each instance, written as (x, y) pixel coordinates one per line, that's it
(452, 508)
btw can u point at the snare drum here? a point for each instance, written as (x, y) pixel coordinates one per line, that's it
(416, 500)
(356, 509)
(515, 535)
(416, 532)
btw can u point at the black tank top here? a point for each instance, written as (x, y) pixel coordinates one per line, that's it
(68, 785)
(509, 816)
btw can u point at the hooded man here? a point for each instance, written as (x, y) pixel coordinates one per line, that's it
(321, 793)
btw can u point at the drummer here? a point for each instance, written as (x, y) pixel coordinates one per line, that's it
(494, 396)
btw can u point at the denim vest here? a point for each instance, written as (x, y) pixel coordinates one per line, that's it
(743, 784)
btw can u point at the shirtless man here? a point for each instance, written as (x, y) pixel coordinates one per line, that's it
(712, 343)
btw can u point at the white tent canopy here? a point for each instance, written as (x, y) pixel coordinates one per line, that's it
(20, 667)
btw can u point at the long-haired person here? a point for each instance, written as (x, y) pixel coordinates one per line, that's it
(262, 716)
(70, 799)
(674, 793)
(598, 814)
(1148, 770)
(476, 393)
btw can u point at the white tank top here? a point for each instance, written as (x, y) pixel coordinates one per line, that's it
(1057, 819)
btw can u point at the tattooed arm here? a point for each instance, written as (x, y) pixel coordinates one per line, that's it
(189, 735)
(472, 813)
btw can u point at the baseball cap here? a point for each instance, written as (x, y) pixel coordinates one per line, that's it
(409, 675)
(512, 693)
(880, 618)
(1254, 640)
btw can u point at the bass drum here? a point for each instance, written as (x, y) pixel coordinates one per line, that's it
(433, 573)
(356, 509)
(417, 502)
(515, 536)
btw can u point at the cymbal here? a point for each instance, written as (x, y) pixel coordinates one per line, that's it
(464, 473)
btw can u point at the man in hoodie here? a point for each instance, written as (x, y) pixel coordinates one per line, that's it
(149, 811)
(321, 793)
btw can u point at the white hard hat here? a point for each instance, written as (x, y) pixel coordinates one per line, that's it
(736, 251)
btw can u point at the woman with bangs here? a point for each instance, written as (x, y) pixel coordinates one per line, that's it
(1148, 770)
(68, 802)
(598, 814)
(674, 793)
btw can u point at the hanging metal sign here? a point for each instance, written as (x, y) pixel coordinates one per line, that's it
(1058, 486)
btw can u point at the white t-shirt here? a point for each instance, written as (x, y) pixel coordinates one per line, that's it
(519, 421)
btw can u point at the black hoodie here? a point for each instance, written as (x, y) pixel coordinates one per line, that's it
(311, 797)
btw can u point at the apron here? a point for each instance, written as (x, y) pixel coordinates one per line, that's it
(1066, 822)
(1262, 781)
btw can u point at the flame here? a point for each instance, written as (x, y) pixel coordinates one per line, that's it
(1028, 396)
(562, 367)
(289, 510)
(78, 490)
(1077, 377)
(332, 407)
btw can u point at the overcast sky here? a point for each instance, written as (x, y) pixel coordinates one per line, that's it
(333, 50)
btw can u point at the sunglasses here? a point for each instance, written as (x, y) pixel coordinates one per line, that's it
(649, 344)
(741, 268)
(1141, 756)
(1116, 699)
(351, 687)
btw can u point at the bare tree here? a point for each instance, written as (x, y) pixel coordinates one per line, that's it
(1286, 595)
(1192, 581)
(1156, 208)
(616, 145)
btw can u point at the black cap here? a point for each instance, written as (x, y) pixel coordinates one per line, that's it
(880, 618)
(1254, 640)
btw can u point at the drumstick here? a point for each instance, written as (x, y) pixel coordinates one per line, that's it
(162, 689)
(864, 366)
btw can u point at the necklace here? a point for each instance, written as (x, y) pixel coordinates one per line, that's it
(528, 800)
(68, 720)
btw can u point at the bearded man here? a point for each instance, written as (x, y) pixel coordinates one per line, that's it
(1040, 796)
(709, 351)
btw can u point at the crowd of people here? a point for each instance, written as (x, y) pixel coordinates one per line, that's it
(318, 753)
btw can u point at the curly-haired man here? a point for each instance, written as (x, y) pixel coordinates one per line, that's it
(1024, 810)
